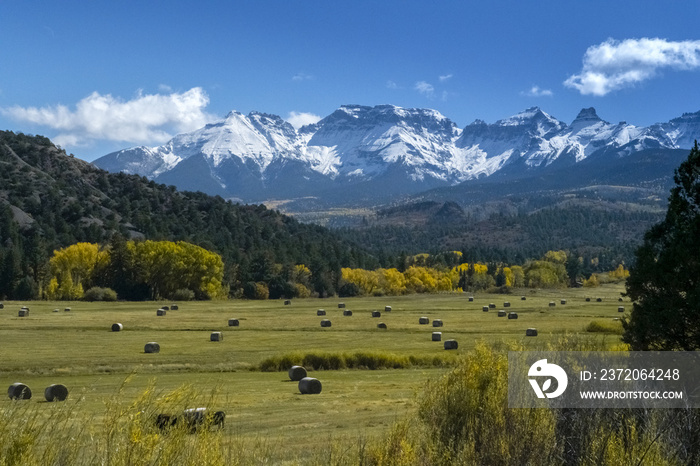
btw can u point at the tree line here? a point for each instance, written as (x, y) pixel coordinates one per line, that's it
(425, 274)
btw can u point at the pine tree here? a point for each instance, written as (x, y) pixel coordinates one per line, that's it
(664, 283)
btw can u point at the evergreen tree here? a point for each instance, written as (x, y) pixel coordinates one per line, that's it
(664, 283)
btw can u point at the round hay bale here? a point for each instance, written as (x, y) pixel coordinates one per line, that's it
(56, 392)
(174, 307)
(437, 323)
(347, 312)
(151, 347)
(563, 301)
(471, 299)
(492, 306)
(287, 302)
(296, 373)
(531, 332)
(2, 306)
(588, 300)
(19, 391)
(376, 314)
(485, 309)
(160, 312)
(619, 300)
(11, 389)
(512, 315)
(218, 419)
(67, 309)
(523, 298)
(437, 336)
(233, 323)
(387, 308)
(310, 386)
(501, 313)
(117, 327)
(381, 325)
(166, 308)
(450, 344)
(325, 323)
(194, 418)
(552, 304)
(506, 304)
(165, 421)
(23, 313)
(599, 300)
(341, 305)
(621, 309)
(55, 310)
(321, 312)
(423, 321)
(216, 336)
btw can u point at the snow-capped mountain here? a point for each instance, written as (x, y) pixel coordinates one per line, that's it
(384, 149)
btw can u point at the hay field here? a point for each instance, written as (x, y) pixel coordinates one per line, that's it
(78, 349)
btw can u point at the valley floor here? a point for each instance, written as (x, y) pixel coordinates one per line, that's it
(264, 410)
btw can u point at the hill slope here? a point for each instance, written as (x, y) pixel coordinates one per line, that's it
(50, 200)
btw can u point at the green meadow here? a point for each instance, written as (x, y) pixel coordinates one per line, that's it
(102, 368)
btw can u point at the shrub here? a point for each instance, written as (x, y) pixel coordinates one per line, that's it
(97, 293)
(605, 326)
(358, 360)
(183, 294)
(261, 291)
(302, 291)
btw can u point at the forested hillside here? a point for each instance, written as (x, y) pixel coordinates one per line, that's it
(603, 233)
(50, 200)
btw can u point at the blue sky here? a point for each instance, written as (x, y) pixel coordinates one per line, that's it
(99, 76)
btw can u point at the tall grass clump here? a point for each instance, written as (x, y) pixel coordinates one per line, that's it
(605, 326)
(130, 435)
(359, 360)
(466, 416)
(463, 418)
(125, 434)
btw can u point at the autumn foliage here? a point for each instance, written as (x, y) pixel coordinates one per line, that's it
(163, 268)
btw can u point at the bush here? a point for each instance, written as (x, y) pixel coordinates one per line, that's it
(183, 295)
(605, 326)
(302, 291)
(359, 360)
(97, 293)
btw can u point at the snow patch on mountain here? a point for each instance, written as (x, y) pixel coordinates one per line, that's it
(361, 143)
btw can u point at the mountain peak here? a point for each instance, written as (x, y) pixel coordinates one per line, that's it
(587, 114)
(248, 156)
(525, 117)
(233, 113)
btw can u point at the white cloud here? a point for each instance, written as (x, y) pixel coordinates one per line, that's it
(536, 91)
(445, 77)
(425, 88)
(145, 119)
(614, 65)
(299, 119)
(302, 77)
(391, 85)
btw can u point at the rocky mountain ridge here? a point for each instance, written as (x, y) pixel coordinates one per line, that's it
(383, 151)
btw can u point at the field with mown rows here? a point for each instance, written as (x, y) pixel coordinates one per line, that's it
(104, 368)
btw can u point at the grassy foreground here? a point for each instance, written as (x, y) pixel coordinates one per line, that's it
(108, 372)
